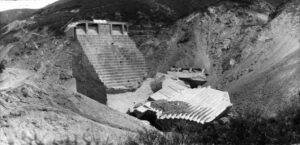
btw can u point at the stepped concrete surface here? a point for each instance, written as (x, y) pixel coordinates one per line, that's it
(113, 55)
(204, 104)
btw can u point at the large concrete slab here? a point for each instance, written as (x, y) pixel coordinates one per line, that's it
(114, 56)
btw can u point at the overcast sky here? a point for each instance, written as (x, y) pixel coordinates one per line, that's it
(23, 4)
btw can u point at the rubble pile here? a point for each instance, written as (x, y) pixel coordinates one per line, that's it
(178, 100)
(193, 76)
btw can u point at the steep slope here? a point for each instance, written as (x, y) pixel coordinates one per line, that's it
(203, 39)
(252, 55)
(39, 98)
(11, 15)
(273, 65)
(28, 112)
(141, 14)
(246, 49)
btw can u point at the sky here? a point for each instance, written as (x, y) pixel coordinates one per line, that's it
(23, 4)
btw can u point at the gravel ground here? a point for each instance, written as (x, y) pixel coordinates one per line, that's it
(123, 101)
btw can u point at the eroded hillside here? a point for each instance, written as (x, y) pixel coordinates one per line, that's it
(38, 87)
(11, 15)
(268, 75)
(38, 93)
(250, 50)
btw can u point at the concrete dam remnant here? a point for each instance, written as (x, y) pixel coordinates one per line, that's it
(178, 101)
(110, 51)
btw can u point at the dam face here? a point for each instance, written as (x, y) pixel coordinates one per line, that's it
(112, 54)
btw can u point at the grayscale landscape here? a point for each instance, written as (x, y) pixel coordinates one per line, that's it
(151, 72)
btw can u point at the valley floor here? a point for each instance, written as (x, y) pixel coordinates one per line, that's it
(123, 101)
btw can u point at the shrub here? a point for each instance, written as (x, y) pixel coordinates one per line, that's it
(170, 106)
(156, 85)
(245, 128)
(2, 65)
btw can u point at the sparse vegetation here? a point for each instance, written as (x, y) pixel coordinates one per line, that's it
(222, 34)
(156, 85)
(35, 140)
(170, 106)
(2, 66)
(247, 128)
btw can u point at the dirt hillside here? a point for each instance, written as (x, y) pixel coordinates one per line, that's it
(38, 87)
(268, 75)
(11, 15)
(39, 98)
(250, 50)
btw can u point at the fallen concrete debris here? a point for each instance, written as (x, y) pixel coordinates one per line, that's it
(193, 76)
(178, 101)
